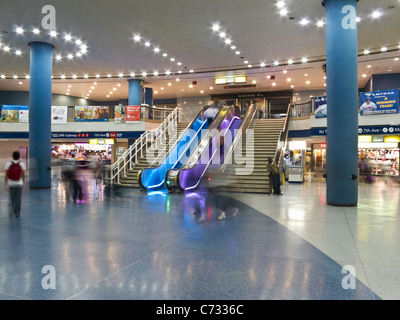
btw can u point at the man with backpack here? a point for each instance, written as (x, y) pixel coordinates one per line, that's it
(15, 180)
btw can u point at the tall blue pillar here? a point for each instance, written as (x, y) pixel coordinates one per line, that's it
(135, 92)
(41, 65)
(342, 95)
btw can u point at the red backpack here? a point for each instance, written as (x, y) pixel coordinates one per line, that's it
(14, 172)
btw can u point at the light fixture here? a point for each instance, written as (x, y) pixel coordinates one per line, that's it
(222, 34)
(290, 61)
(70, 56)
(18, 52)
(53, 33)
(20, 82)
(288, 79)
(136, 38)
(304, 60)
(283, 12)
(276, 63)
(396, 59)
(215, 27)
(155, 73)
(97, 76)
(376, 14)
(364, 75)
(304, 21)
(274, 84)
(384, 49)
(280, 4)
(132, 74)
(228, 41)
(169, 84)
(144, 74)
(19, 30)
(67, 37)
(191, 71)
(62, 76)
(156, 50)
(172, 59)
(262, 64)
(121, 75)
(366, 51)
(36, 31)
(369, 66)
(308, 82)
(86, 76)
(147, 44)
(237, 52)
(320, 23)
(74, 76)
(233, 47)
(167, 72)
(246, 61)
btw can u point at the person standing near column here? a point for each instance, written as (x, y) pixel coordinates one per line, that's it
(15, 180)
(273, 169)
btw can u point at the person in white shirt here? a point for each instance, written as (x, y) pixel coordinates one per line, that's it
(15, 180)
(368, 105)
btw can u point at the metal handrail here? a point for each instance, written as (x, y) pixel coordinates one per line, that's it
(282, 138)
(114, 172)
(249, 118)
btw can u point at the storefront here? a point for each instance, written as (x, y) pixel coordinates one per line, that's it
(318, 157)
(99, 149)
(379, 155)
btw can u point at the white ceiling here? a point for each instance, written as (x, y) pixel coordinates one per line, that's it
(183, 29)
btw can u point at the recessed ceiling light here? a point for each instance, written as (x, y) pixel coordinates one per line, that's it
(306, 74)
(169, 84)
(70, 56)
(156, 50)
(18, 52)
(6, 48)
(280, 4)
(304, 60)
(19, 30)
(108, 75)
(308, 82)
(132, 74)
(120, 75)
(53, 34)
(147, 44)
(191, 71)
(36, 31)
(211, 88)
(290, 61)
(320, 23)
(246, 61)
(216, 27)
(86, 76)
(288, 79)
(396, 59)
(358, 19)
(177, 79)
(144, 74)
(383, 49)
(366, 51)
(369, 66)
(292, 86)
(237, 52)
(283, 12)
(262, 64)
(304, 21)
(201, 91)
(276, 63)
(222, 34)
(62, 76)
(155, 73)
(74, 76)
(233, 47)
(136, 38)
(67, 37)
(273, 84)
(179, 63)
(78, 42)
(376, 14)
(20, 83)
(284, 71)
(228, 41)
(2, 76)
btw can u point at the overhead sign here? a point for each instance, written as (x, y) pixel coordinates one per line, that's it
(320, 107)
(89, 113)
(379, 102)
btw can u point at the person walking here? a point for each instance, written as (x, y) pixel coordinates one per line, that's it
(272, 168)
(15, 180)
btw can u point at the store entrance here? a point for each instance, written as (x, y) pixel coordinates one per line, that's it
(244, 105)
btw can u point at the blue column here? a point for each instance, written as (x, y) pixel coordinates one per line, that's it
(41, 65)
(342, 95)
(135, 92)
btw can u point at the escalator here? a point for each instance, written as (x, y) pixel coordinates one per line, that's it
(153, 178)
(209, 153)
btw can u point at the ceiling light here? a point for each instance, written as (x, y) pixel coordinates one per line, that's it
(162, 88)
(169, 84)
(304, 60)
(396, 59)
(280, 4)
(36, 31)
(364, 75)
(228, 41)
(107, 96)
(90, 91)
(308, 82)
(250, 66)
(222, 34)
(262, 64)
(18, 52)
(358, 19)
(109, 75)
(165, 55)
(27, 76)
(190, 86)
(191, 71)
(70, 56)
(383, 49)
(120, 75)
(285, 71)
(366, 51)
(304, 22)
(155, 92)
(147, 44)
(136, 38)
(3, 76)
(254, 81)
(19, 30)
(74, 76)
(320, 23)
(283, 12)
(201, 91)
(177, 79)
(179, 63)
(246, 61)
(86, 76)
(144, 74)
(273, 84)
(132, 74)
(288, 79)
(369, 66)
(97, 76)
(68, 37)
(20, 82)
(276, 63)
(172, 59)
(155, 73)
(92, 87)
(78, 42)
(6, 48)
(215, 27)
(156, 50)
(292, 86)
(167, 72)
(290, 61)
(67, 93)
(118, 85)
(376, 14)
(78, 54)
(63, 76)
(211, 88)
(233, 47)
(115, 89)
(53, 34)
(237, 52)
(306, 74)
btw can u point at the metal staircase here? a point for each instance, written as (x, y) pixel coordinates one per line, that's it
(261, 145)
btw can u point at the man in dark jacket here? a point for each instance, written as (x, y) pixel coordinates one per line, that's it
(272, 168)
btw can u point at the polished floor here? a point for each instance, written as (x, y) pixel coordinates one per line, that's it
(132, 245)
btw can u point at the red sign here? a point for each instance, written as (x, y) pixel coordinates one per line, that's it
(113, 135)
(132, 113)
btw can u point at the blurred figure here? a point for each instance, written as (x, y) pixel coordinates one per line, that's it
(70, 175)
(273, 169)
(216, 198)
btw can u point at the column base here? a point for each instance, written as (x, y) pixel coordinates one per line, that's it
(341, 205)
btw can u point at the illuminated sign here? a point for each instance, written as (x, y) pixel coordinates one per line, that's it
(229, 80)
(297, 145)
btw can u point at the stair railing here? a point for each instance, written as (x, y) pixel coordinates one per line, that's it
(282, 141)
(150, 138)
(248, 119)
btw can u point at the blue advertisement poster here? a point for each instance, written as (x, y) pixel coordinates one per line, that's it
(12, 113)
(379, 102)
(320, 107)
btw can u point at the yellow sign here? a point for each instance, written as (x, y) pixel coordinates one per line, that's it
(364, 139)
(109, 141)
(93, 141)
(220, 80)
(392, 139)
(240, 79)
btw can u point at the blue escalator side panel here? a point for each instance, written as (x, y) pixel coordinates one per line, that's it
(154, 178)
